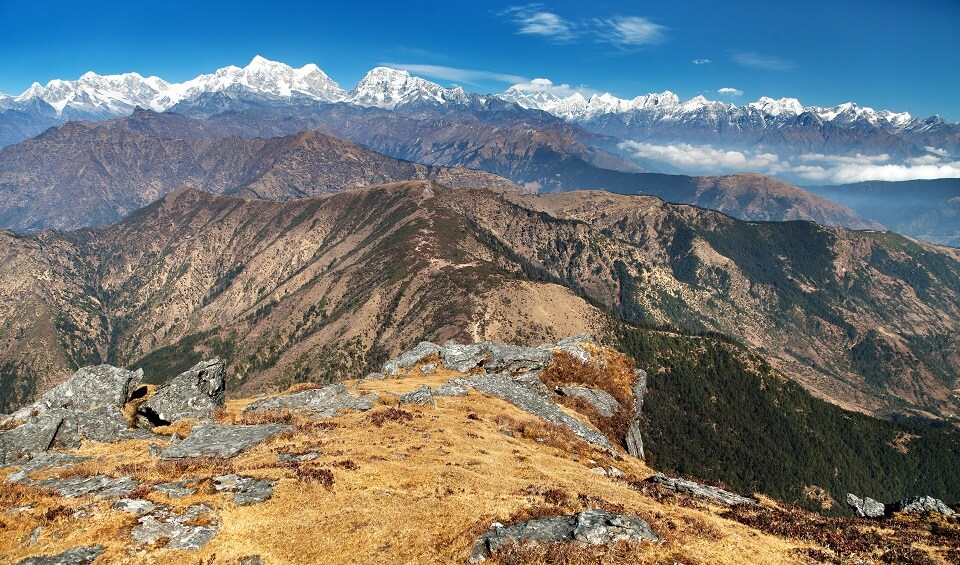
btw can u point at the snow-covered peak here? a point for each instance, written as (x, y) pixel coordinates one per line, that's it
(383, 87)
(97, 94)
(261, 76)
(776, 108)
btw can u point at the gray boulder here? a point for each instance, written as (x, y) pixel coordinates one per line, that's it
(591, 527)
(463, 358)
(88, 388)
(421, 396)
(865, 507)
(602, 400)
(521, 395)
(76, 556)
(51, 459)
(921, 505)
(195, 393)
(31, 438)
(220, 440)
(712, 494)
(454, 387)
(409, 359)
(325, 402)
(515, 358)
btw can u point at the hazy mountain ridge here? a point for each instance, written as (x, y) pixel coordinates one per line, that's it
(104, 170)
(927, 209)
(84, 174)
(335, 283)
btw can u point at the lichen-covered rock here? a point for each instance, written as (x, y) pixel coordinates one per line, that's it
(865, 507)
(462, 358)
(75, 556)
(221, 440)
(178, 529)
(521, 395)
(88, 388)
(137, 506)
(421, 396)
(408, 360)
(31, 438)
(178, 489)
(54, 459)
(99, 485)
(710, 493)
(248, 490)
(634, 440)
(454, 387)
(592, 527)
(325, 402)
(195, 393)
(921, 505)
(602, 400)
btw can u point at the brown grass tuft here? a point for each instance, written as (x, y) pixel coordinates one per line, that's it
(380, 417)
(312, 473)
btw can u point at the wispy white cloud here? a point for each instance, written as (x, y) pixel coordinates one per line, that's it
(700, 158)
(702, 61)
(625, 32)
(810, 167)
(547, 85)
(465, 76)
(937, 151)
(763, 62)
(728, 91)
(628, 31)
(533, 19)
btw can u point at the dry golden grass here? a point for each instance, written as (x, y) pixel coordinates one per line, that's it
(417, 489)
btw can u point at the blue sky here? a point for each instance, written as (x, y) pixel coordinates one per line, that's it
(898, 55)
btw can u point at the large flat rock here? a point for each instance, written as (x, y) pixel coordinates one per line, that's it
(221, 440)
(326, 402)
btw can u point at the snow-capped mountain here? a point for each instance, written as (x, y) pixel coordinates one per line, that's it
(388, 88)
(667, 106)
(658, 116)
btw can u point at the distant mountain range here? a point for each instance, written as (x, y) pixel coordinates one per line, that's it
(106, 170)
(784, 126)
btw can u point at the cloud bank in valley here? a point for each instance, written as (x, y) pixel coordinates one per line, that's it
(809, 167)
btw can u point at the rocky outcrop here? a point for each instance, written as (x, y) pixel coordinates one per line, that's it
(709, 493)
(922, 505)
(601, 400)
(98, 485)
(408, 360)
(633, 440)
(87, 405)
(195, 393)
(522, 396)
(87, 389)
(220, 440)
(325, 402)
(865, 507)
(590, 527)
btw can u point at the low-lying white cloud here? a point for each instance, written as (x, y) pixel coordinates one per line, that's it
(728, 91)
(547, 85)
(702, 61)
(809, 167)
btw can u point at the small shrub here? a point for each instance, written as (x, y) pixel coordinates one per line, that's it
(56, 512)
(348, 464)
(380, 417)
(314, 474)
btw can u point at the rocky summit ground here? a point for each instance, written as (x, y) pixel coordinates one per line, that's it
(452, 453)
